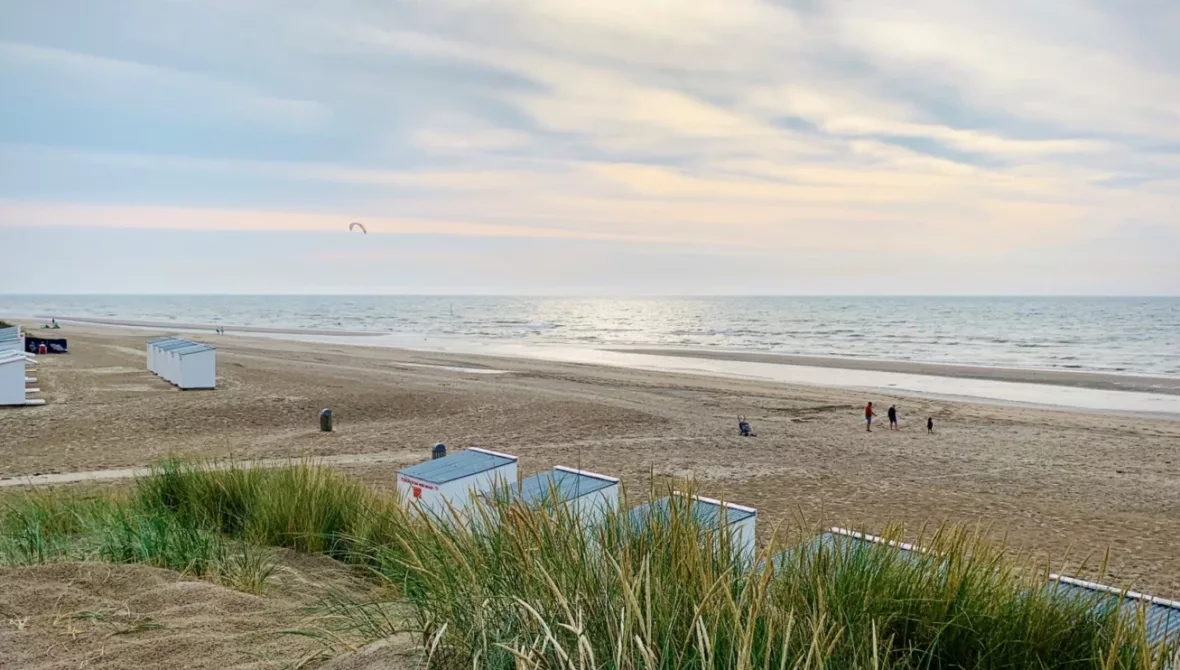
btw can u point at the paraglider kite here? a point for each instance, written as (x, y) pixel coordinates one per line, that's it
(353, 225)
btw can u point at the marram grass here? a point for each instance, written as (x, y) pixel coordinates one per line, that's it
(41, 528)
(520, 588)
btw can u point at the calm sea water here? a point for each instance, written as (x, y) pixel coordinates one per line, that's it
(1126, 335)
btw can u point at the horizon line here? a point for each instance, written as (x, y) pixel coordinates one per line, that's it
(591, 295)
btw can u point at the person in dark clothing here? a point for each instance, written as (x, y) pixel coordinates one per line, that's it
(893, 417)
(930, 425)
(744, 428)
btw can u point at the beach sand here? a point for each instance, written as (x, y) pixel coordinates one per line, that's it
(124, 617)
(1051, 481)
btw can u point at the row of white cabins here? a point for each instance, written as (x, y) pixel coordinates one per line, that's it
(184, 363)
(16, 366)
(460, 481)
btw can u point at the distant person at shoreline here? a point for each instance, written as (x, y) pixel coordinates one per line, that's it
(930, 425)
(893, 418)
(869, 414)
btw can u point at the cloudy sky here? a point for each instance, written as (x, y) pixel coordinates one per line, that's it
(591, 146)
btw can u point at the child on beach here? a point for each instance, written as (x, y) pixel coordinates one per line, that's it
(930, 425)
(869, 414)
(744, 428)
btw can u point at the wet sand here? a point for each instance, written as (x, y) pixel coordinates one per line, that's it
(1053, 481)
(1074, 378)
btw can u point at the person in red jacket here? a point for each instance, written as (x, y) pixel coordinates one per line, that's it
(869, 414)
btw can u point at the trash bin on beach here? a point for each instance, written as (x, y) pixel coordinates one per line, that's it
(438, 451)
(326, 420)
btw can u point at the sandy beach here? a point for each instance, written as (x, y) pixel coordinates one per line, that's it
(1051, 481)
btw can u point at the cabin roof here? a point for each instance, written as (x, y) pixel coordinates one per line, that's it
(707, 512)
(466, 463)
(564, 483)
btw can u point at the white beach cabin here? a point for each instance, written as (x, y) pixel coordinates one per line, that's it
(12, 377)
(1161, 617)
(844, 541)
(738, 520)
(196, 367)
(455, 480)
(11, 339)
(160, 364)
(171, 367)
(153, 353)
(588, 495)
(166, 361)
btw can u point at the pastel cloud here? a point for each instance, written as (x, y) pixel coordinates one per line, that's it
(958, 135)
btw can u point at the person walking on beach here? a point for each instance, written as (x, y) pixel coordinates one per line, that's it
(930, 425)
(893, 418)
(869, 414)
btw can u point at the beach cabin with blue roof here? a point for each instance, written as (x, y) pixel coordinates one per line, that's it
(1161, 616)
(165, 361)
(11, 339)
(12, 377)
(711, 514)
(841, 540)
(196, 367)
(153, 352)
(187, 364)
(456, 479)
(588, 495)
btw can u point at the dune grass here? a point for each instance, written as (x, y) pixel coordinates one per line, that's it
(541, 592)
(42, 528)
(524, 588)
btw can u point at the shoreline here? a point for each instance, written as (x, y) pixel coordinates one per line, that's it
(1131, 396)
(200, 327)
(1098, 381)
(1080, 379)
(1030, 393)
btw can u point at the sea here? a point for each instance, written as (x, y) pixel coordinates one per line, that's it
(1120, 335)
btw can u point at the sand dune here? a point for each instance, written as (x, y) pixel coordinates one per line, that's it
(77, 615)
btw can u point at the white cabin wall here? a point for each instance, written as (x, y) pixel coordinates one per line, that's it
(12, 383)
(459, 493)
(743, 536)
(198, 370)
(593, 507)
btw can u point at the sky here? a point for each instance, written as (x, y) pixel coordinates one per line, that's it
(590, 146)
